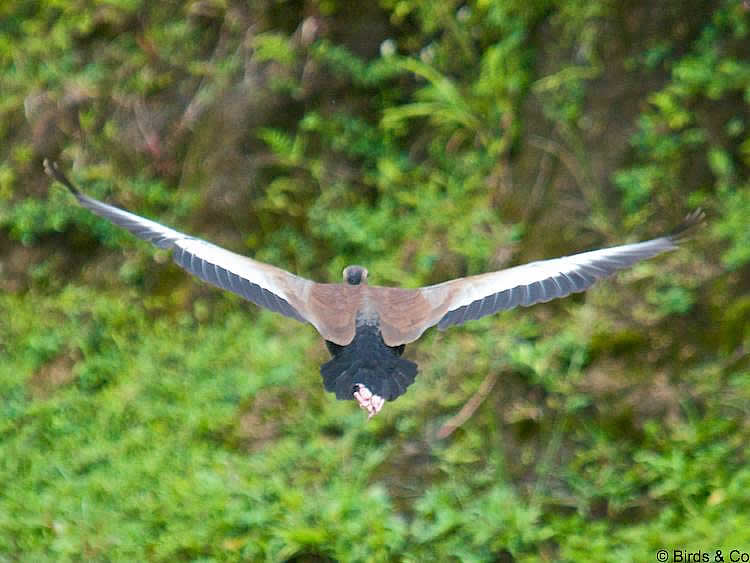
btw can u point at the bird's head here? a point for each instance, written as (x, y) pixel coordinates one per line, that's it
(355, 275)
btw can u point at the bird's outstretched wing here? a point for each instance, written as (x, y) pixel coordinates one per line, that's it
(465, 299)
(263, 284)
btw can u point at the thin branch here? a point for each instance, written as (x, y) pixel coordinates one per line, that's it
(469, 408)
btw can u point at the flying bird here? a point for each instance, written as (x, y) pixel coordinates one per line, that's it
(366, 327)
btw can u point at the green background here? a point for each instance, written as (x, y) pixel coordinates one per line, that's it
(145, 416)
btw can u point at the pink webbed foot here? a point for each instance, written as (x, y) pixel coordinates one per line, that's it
(368, 400)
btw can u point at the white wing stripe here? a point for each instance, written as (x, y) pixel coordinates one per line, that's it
(202, 258)
(225, 279)
(598, 271)
(504, 297)
(573, 286)
(552, 287)
(533, 292)
(474, 308)
(204, 272)
(494, 302)
(542, 281)
(146, 229)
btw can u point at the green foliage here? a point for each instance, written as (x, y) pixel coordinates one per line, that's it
(676, 135)
(147, 417)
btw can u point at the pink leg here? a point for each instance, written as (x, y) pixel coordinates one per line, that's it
(367, 400)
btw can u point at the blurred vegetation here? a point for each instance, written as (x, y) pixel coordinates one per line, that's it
(146, 416)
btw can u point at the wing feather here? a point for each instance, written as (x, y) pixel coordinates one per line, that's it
(461, 300)
(263, 284)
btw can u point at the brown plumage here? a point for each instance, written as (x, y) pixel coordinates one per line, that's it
(367, 326)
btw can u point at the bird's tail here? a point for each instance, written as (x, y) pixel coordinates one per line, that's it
(381, 371)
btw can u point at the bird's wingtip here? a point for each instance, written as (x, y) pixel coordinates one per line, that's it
(52, 170)
(693, 220)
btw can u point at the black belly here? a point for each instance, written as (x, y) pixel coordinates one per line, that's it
(367, 361)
